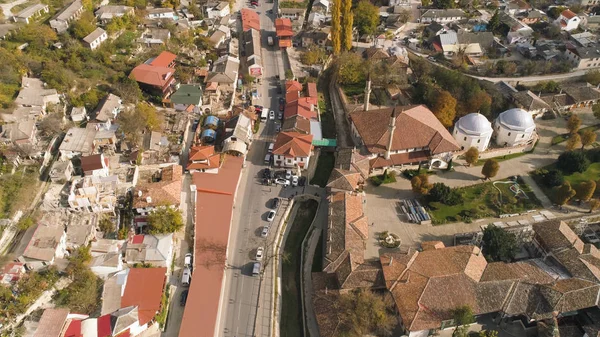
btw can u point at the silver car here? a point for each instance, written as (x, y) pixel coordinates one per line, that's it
(265, 232)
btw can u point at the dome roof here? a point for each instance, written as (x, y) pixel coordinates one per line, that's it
(516, 119)
(474, 123)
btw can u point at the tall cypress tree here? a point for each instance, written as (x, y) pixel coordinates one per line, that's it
(347, 21)
(336, 26)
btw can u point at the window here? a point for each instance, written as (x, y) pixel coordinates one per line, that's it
(523, 136)
(465, 138)
(509, 133)
(478, 141)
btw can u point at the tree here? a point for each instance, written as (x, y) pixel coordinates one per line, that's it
(596, 110)
(494, 23)
(84, 26)
(366, 18)
(490, 168)
(498, 244)
(553, 178)
(336, 27)
(463, 315)
(573, 124)
(588, 137)
(106, 225)
(573, 141)
(594, 204)
(134, 122)
(585, 190)
(363, 312)
(165, 220)
(347, 20)
(404, 16)
(444, 108)
(443, 4)
(472, 156)
(420, 184)
(563, 193)
(314, 55)
(51, 125)
(351, 68)
(592, 77)
(488, 333)
(572, 161)
(248, 79)
(440, 192)
(129, 90)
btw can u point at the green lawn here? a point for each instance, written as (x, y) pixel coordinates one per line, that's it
(351, 90)
(483, 200)
(592, 173)
(291, 309)
(323, 170)
(501, 158)
(561, 138)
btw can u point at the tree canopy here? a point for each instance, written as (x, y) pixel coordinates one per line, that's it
(490, 168)
(573, 141)
(585, 190)
(351, 69)
(366, 18)
(563, 193)
(588, 137)
(134, 122)
(165, 220)
(472, 155)
(363, 312)
(420, 184)
(572, 161)
(573, 124)
(444, 108)
(498, 244)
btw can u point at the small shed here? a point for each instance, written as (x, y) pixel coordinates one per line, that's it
(208, 136)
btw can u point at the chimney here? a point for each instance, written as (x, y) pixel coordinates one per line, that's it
(367, 93)
(391, 129)
(391, 261)
(149, 200)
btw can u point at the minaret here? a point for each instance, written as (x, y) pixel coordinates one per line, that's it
(391, 129)
(368, 93)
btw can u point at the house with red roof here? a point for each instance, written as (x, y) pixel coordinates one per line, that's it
(12, 272)
(568, 20)
(203, 159)
(292, 149)
(156, 76)
(250, 20)
(284, 31)
(301, 111)
(59, 322)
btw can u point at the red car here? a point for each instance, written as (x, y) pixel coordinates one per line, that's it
(281, 107)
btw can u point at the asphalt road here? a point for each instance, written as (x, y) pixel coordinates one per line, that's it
(239, 305)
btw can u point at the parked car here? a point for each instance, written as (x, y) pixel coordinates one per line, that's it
(187, 261)
(288, 174)
(183, 298)
(295, 181)
(266, 173)
(258, 108)
(275, 203)
(432, 59)
(259, 253)
(302, 181)
(256, 269)
(271, 216)
(281, 107)
(280, 115)
(278, 128)
(265, 232)
(271, 115)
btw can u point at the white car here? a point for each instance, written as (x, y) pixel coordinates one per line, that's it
(271, 216)
(265, 232)
(282, 182)
(259, 253)
(187, 261)
(295, 181)
(272, 115)
(288, 174)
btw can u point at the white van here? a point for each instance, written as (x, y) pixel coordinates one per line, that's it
(271, 146)
(264, 115)
(186, 278)
(268, 159)
(256, 269)
(187, 261)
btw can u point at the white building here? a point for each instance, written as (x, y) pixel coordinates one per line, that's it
(218, 10)
(473, 130)
(95, 38)
(567, 20)
(162, 13)
(514, 127)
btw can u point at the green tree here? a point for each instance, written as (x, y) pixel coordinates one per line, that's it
(84, 26)
(588, 137)
(594, 204)
(366, 18)
(129, 90)
(596, 110)
(351, 69)
(592, 77)
(106, 225)
(444, 108)
(136, 121)
(488, 333)
(463, 315)
(585, 190)
(165, 220)
(494, 23)
(420, 184)
(25, 222)
(572, 161)
(472, 156)
(563, 193)
(347, 21)
(314, 55)
(336, 27)
(573, 141)
(490, 168)
(573, 124)
(498, 244)
(444, 3)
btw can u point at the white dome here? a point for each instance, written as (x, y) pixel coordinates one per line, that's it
(474, 124)
(516, 119)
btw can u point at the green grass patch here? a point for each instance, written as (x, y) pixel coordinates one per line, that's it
(351, 90)
(317, 264)
(17, 190)
(592, 173)
(327, 119)
(293, 4)
(563, 137)
(256, 126)
(291, 309)
(385, 178)
(323, 171)
(502, 158)
(483, 200)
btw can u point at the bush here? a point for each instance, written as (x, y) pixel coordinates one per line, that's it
(442, 193)
(572, 161)
(553, 178)
(593, 155)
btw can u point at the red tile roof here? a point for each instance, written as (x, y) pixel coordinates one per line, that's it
(137, 239)
(301, 107)
(311, 92)
(104, 327)
(164, 59)
(293, 85)
(156, 76)
(283, 27)
(74, 329)
(285, 43)
(567, 13)
(165, 192)
(293, 144)
(93, 162)
(292, 96)
(206, 154)
(250, 20)
(144, 289)
(215, 197)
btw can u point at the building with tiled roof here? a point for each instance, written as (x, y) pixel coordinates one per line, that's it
(292, 149)
(166, 192)
(156, 250)
(203, 159)
(284, 32)
(428, 285)
(567, 20)
(349, 172)
(144, 289)
(250, 20)
(530, 102)
(403, 136)
(156, 75)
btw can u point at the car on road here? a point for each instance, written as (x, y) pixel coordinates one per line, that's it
(183, 298)
(281, 100)
(265, 232)
(281, 107)
(302, 181)
(288, 174)
(186, 277)
(266, 173)
(271, 115)
(271, 216)
(432, 59)
(295, 181)
(283, 182)
(256, 269)
(258, 108)
(275, 203)
(271, 147)
(259, 253)
(278, 128)
(187, 261)
(280, 115)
